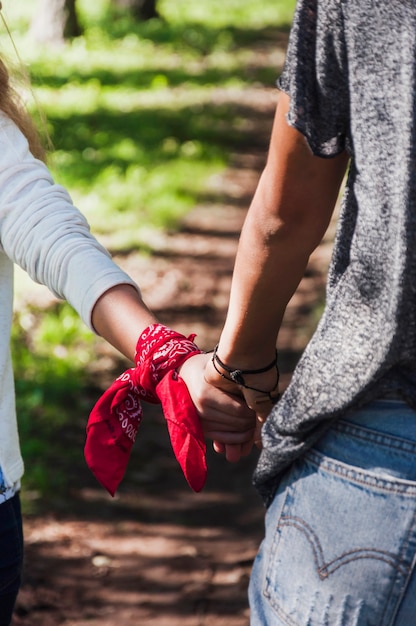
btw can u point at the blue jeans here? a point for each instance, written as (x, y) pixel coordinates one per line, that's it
(340, 541)
(11, 556)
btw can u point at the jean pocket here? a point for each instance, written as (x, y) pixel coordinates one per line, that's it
(343, 547)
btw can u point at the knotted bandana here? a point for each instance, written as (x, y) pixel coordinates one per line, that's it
(114, 421)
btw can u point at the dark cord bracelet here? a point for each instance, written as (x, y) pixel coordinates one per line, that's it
(237, 375)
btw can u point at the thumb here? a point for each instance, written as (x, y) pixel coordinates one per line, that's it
(257, 434)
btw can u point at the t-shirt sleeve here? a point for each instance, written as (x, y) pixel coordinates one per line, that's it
(315, 76)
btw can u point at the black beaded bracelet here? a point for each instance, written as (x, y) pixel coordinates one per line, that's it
(237, 375)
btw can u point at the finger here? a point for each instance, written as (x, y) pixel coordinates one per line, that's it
(220, 437)
(247, 447)
(257, 434)
(233, 452)
(221, 403)
(227, 424)
(221, 406)
(218, 447)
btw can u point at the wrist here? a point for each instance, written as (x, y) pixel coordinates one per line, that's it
(120, 316)
(246, 378)
(237, 373)
(245, 357)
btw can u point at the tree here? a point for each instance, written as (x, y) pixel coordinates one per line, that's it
(55, 21)
(141, 9)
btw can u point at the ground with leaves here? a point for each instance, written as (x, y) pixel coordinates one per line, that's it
(157, 553)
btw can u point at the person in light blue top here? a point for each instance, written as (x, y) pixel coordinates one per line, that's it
(46, 235)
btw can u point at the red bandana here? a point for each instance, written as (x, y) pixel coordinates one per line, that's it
(114, 421)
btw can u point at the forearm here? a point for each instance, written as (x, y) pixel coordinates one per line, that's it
(120, 316)
(268, 269)
(287, 219)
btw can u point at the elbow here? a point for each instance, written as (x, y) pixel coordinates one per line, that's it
(299, 229)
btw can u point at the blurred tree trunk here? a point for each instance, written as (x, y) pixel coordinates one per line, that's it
(55, 21)
(141, 9)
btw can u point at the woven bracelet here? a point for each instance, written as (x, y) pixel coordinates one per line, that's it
(237, 375)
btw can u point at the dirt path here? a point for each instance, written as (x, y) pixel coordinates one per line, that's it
(157, 553)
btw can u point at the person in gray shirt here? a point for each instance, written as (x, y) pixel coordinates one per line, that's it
(337, 469)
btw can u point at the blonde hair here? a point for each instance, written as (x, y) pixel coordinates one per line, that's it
(12, 105)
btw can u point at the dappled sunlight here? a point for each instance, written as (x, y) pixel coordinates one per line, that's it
(160, 132)
(142, 115)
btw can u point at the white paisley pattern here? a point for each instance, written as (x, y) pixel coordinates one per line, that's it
(118, 413)
(159, 350)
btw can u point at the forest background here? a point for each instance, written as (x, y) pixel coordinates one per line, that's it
(159, 128)
(143, 117)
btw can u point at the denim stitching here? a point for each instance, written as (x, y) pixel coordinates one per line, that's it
(382, 439)
(400, 486)
(397, 486)
(267, 578)
(407, 574)
(326, 569)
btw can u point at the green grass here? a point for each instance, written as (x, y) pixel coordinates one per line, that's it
(141, 116)
(131, 107)
(51, 352)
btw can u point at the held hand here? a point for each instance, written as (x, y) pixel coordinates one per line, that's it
(255, 390)
(225, 417)
(261, 403)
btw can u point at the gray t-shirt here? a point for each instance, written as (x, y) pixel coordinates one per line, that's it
(350, 73)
